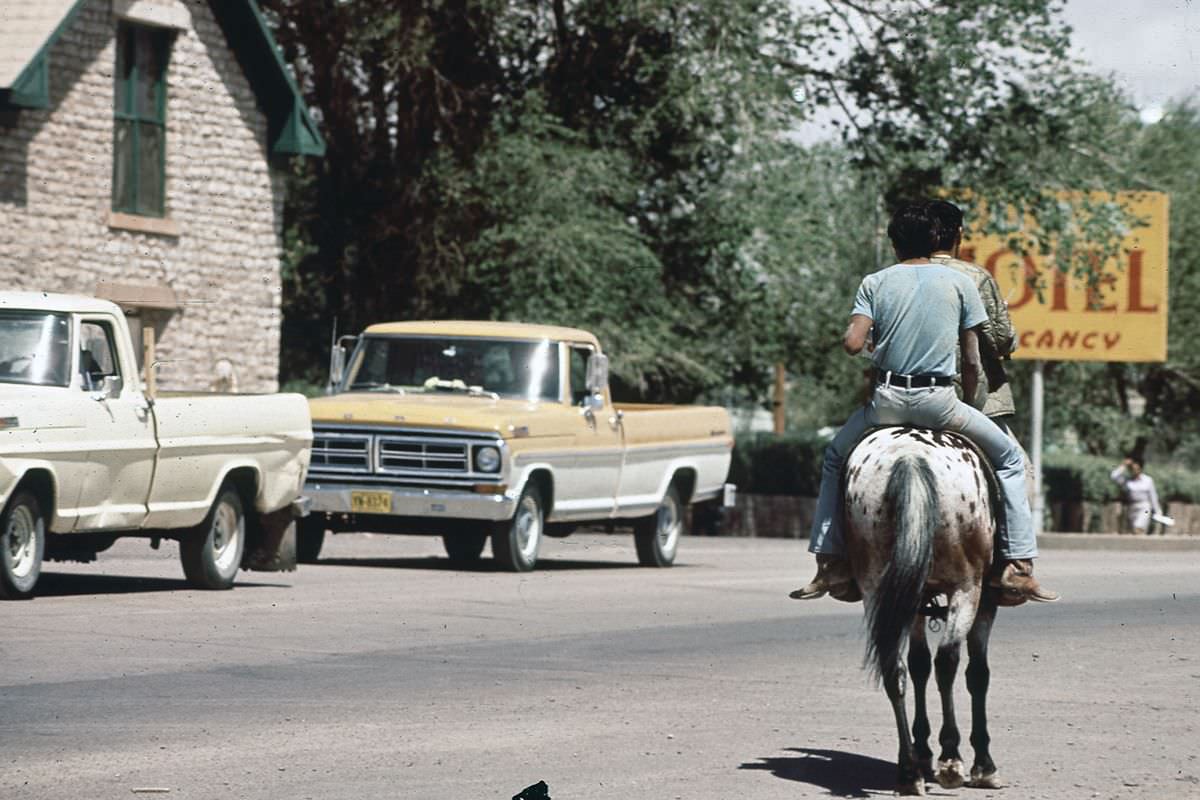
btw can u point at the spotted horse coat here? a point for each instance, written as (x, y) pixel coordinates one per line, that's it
(968, 485)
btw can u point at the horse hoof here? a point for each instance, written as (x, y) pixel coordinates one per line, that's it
(951, 774)
(925, 768)
(914, 789)
(985, 780)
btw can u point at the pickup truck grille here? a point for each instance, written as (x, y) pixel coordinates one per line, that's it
(341, 452)
(411, 453)
(398, 457)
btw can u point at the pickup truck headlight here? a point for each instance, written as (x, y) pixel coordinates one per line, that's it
(487, 459)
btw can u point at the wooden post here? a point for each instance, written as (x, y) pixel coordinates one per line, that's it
(778, 404)
(148, 370)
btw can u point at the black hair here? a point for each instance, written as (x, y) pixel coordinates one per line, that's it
(947, 221)
(912, 231)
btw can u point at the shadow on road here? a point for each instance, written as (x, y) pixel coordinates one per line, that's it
(64, 584)
(482, 565)
(843, 774)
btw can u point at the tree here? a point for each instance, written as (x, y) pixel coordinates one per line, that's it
(627, 165)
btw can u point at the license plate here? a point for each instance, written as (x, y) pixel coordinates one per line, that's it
(371, 502)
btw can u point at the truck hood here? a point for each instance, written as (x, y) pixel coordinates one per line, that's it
(443, 410)
(28, 408)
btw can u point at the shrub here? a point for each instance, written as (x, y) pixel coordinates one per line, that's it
(768, 464)
(791, 464)
(1178, 484)
(1069, 478)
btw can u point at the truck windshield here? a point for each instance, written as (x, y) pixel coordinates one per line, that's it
(34, 348)
(526, 370)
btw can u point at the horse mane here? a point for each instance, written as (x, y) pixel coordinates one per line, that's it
(911, 508)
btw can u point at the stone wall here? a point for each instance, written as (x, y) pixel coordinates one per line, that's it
(223, 200)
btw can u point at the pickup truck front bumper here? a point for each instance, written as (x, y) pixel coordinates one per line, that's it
(338, 498)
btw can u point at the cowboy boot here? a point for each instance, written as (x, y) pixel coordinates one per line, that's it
(833, 578)
(1018, 584)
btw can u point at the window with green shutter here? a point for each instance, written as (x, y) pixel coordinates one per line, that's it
(139, 124)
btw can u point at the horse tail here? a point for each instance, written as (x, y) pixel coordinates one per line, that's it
(910, 503)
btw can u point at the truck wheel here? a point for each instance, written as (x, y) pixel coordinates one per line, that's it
(464, 546)
(212, 554)
(657, 536)
(310, 535)
(22, 545)
(515, 543)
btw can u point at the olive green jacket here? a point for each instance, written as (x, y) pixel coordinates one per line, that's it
(994, 397)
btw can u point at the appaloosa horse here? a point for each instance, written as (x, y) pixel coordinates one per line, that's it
(919, 527)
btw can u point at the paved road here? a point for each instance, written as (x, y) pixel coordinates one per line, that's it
(382, 673)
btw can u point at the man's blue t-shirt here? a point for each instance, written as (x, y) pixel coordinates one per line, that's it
(917, 311)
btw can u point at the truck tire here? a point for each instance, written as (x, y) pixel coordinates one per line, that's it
(657, 536)
(515, 542)
(464, 546)
(22, 546)
(212, 554)
(310, 536)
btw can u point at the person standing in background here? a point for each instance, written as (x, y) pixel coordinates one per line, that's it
(1138, 495)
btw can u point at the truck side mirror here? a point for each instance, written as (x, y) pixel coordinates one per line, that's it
(110, 388)
(597, 380)
(337, 362)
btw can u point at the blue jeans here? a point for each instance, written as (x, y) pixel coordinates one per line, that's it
(938, 408)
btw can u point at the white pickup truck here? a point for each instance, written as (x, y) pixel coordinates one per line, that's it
(474, 430)
(86, 456)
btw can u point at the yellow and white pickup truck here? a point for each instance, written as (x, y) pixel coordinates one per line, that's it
(87, 456)
(504, 430)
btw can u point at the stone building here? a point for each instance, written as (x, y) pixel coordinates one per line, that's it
(142, 153)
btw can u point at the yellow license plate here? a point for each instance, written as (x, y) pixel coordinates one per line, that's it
(371, 502)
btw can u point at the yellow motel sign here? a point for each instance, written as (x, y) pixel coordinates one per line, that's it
(1123, 317)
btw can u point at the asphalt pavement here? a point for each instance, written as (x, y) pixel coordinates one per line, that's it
(384, 673)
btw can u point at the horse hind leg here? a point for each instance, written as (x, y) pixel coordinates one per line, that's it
(909, 781)
(983, 772)
(951, 772)
(920, 667)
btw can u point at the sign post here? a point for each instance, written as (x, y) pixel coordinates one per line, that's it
(1035, 450)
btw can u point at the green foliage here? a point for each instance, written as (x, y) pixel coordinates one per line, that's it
(1177, 484)
(1168, 159)
(1067, 478)
(982, 99)
(306, 388)
(629, 166)
(768, 464)
(791, 465)
(1082, 478)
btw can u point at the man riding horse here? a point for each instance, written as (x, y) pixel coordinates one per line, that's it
(916, 312)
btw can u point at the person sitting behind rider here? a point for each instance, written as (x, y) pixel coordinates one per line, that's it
(918, 311)
(997, 339)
